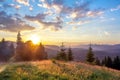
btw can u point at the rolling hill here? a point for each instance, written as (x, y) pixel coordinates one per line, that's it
(55, 70)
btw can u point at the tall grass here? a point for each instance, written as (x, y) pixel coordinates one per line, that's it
(49, 70)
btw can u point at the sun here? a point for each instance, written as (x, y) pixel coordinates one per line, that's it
(35, 39)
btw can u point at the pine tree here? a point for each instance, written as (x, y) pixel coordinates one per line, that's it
(97, 61)
(62, 54)
(70, 55)
(90, 56)
(40, 53)
(109, 62)
(104, 61)
(19, 39)
(29, 49)
(20, 49)
(3, 46)
(3, 52)
(3, 40)
(116, 63)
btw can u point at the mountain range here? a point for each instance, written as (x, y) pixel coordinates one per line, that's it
(79, 52)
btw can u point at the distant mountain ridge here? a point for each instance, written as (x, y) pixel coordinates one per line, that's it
(79, 52)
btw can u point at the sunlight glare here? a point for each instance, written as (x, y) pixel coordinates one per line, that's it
(35, 39)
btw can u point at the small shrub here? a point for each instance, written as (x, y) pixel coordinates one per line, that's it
(53, 61)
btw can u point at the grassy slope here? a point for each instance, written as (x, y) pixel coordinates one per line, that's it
(47, 70)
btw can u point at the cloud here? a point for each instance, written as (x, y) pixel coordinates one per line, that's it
(54, 14)
(78, 22)
(58, 2)
(12, 23)
(78, 11)
(31, 8)
(5, 6)
(24, 2)
(112, 19)
(94, 13)
(54, 6)
(40, 5)
(2, 0)
(57, 8)
(106, 33)
(16, 6)
(38, 17)
(115, 9)
(81, 11)
(73, 15)
(103, 19)
(54, 26)
(44, 4)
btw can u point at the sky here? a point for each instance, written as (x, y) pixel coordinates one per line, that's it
(56, 21)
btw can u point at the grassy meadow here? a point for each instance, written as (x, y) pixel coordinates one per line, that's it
(55, 70)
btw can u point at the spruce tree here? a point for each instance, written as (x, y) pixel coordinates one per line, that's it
(70, 55)
(29, 49)
(104, 61)
(3, 46)
(109, 62)
(19, 39)
(3, 52)
(3, 40)
(20, 49)
(90, 56)
(40, 53)
(97, 61)
(62, 54)
(116, 63)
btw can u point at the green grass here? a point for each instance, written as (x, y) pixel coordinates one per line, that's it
(49, 70)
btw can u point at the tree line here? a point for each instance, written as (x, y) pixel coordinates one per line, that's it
(107, 61)
(28, 51)
(24, 51)
(65, 55)
(6, 51)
